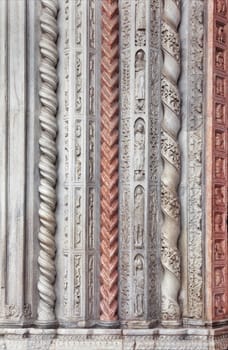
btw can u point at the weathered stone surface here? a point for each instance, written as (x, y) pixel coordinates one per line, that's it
(139, 162)
(156, 339)
(171, 227)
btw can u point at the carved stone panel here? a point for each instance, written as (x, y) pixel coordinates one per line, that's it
(159, 189)
(218, 257)
(79, 175)
(192, 162)
(138, 160)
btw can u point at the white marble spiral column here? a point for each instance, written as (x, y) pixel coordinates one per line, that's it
(47, 164)
(170, 257)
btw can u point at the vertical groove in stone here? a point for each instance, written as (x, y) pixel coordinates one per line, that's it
(109, 162)
(170, 257)
(47, 164)
(16, 160)
(3, 147)
(32, 152)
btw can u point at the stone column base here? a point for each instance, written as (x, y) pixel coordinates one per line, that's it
(114, 339)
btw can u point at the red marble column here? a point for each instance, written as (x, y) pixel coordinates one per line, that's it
(109, 163)
(217, 176)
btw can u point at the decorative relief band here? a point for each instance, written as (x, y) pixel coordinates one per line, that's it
(170, 257)
(47, 164)
(80, 293)
(125, 296)
(219, 162)
(139, 139)
(109, 161)
(195, 125)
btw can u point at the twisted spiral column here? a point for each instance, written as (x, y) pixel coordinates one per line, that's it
(47, 164)
(170, 153)
(109, 163)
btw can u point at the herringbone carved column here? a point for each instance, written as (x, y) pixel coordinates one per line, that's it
(109, 163)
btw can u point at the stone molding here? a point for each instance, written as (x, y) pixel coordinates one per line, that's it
(157, 339)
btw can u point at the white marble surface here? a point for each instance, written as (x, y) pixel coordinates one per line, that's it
(77, 302)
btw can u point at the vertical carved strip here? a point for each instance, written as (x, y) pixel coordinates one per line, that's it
(154, 111)
(138, 156)
(47, 164)
(79, 296)
(217, 145)
(138, 161)
(3, 147)
(195, 124)
(125, 233)
(93, 161)
(109, 162)
(170, 257)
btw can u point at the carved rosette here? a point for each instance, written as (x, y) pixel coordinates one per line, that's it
(109, 162)
(170, 153)
(47, 163)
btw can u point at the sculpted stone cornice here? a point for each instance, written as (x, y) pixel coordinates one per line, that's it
(170, 257)
(47, 164)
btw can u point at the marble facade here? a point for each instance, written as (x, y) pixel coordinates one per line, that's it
(113, 172)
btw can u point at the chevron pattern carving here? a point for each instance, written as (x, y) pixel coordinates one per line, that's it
(109, 162)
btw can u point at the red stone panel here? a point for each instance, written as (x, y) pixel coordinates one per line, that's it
(219, 271)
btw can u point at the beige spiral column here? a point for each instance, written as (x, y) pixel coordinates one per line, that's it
(47, 164)
(170, 153)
